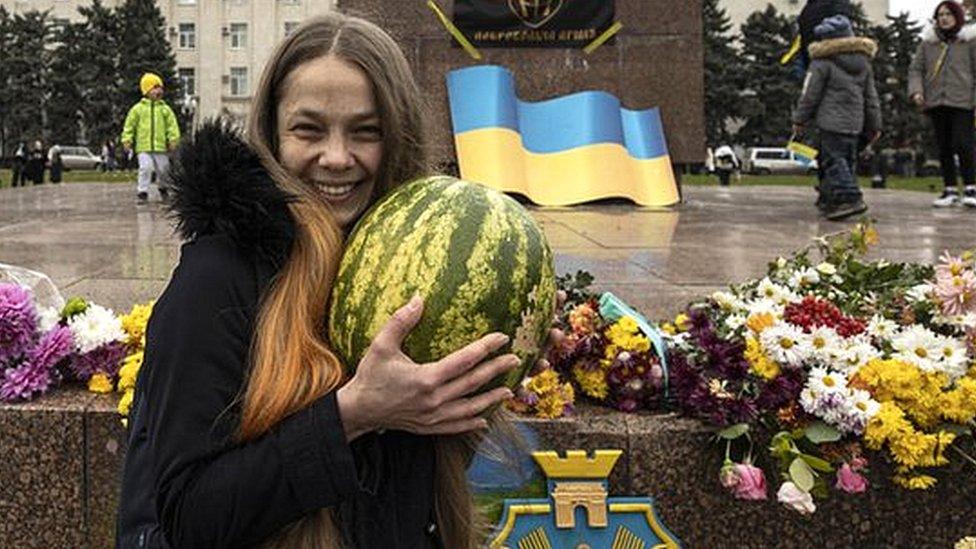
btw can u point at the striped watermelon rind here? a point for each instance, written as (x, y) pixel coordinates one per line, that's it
(476, 256)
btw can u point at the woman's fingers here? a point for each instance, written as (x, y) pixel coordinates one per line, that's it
(463, 414)
(483, 373)
(462, 360)
(391, 335)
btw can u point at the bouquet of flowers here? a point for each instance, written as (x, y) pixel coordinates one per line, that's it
(609, 362)
(41, 346)
(826, 359)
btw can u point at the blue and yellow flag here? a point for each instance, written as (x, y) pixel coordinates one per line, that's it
(567, 150)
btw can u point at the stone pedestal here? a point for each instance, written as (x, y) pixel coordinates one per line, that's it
(657, 61)
(62, 464)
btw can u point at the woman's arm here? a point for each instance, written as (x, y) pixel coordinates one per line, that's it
(210, 490)
(916, 74)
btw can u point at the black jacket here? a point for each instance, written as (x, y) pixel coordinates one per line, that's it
(187, 483)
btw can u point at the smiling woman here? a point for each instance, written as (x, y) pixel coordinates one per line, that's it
(329, 133)
(245, 430)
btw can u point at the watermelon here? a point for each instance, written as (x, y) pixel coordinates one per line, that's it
(476, 256)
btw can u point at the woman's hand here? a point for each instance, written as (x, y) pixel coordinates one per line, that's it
(391, 391)
(555, 335)
(919, 100)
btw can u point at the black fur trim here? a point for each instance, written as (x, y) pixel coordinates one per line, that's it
(219, 186)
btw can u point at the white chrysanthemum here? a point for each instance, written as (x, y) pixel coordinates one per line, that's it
(918, 345)
(853, 354)
(761, 306)
(734, 322)
(823, 381)
(824, 342)
(827, 268)
(862, 406)
(95, 327)
(804, 278)
(952, 357)
(965, 321)
(727, 301)
(771, 291)
(920, 292)
(785, 344)
(810, 401)
(882, 328)
(49, 318)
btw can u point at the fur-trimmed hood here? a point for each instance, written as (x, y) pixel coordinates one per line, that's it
(220, 187)
(836, 46)
(966, 34)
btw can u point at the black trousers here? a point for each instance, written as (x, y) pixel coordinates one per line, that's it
(954, 136)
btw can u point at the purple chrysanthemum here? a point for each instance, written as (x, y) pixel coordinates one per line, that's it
(52, 348)
(24, 382)
(104, 360)
(18, 320)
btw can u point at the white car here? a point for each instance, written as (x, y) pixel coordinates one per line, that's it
(778, 160)
(79, 158)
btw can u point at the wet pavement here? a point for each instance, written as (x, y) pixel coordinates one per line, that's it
(95, 241)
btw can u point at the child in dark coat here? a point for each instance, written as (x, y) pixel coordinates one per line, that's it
(840, 97)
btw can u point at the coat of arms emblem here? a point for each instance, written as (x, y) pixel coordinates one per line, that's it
(535, 13)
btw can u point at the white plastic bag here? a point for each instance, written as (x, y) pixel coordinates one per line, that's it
(46, 294)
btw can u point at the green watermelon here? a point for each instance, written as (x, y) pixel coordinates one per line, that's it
(476, 256)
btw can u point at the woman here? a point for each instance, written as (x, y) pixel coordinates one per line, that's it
(940, 82)
(244, 431)
(34, 168)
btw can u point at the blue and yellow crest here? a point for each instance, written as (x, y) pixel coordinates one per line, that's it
(578, 514)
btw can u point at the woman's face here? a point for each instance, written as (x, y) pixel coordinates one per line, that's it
(329, 133)
(945, 19)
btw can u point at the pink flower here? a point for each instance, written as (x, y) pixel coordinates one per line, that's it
(796, 499)
(850, 481)
(951, 265)
(957, 293)
(744, 480)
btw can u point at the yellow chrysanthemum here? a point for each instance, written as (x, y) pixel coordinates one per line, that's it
(593, 382)
(625, 335)
(100, 383)
(682, 322)
(129, 371)
(135, 322)
(759, 363)
(125, 403)
(760, 321)
(966, 543)
(959, 404)
(914, 482)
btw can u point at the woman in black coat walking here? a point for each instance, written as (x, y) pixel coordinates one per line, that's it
(34, 169)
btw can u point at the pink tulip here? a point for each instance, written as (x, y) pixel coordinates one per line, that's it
(750, 482)
(850, 481)
(744, 480)
(796, 499)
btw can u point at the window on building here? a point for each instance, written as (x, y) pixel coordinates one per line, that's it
(291, 2)
(186, 2)
(238, 36)
(188, 76)
(290, 27)
(238, 81)
(188, 36)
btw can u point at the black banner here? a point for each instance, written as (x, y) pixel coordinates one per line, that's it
(533, 23)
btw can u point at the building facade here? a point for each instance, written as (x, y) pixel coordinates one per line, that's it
(220, 45)
(740, 10)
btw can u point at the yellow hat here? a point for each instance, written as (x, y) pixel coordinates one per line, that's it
(149, 81)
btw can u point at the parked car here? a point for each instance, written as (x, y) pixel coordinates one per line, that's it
(779, 160)
(79, 158)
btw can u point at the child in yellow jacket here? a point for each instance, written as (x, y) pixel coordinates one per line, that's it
(153, 126)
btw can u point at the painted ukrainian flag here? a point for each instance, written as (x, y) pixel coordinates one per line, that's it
(571, 149)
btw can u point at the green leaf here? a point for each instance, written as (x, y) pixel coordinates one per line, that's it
(733, 432)
(818, 432)
(781, 443)
(819, 464)
(802, 475)
(956, 429)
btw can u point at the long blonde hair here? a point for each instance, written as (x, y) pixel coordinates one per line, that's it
(291, 363)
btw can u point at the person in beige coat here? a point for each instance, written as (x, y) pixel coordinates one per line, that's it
(942, 82)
